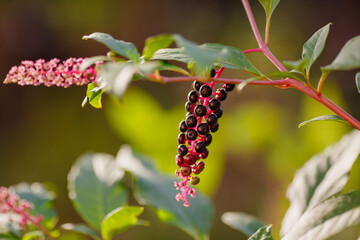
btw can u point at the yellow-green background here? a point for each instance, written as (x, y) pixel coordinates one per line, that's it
(258, 146)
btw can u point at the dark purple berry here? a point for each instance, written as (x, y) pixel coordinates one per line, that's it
(179, 160)
(214, 127)
(214, 104)
(191, 121)
(229, 87)
(208, 139)
(200, 110)
(182, 150)
(199, 167)
(212, 73)
(191, 134)
(190, 159)
(189, 106)
(203, 129)
(182, 126)
(200, 147)
(195, 180)
(193, 96)
(197, 85)
(221, 94)
(219, 112)
(211, 119)
(181, 138)
(205, 154)
(205, 91)
(185, 171)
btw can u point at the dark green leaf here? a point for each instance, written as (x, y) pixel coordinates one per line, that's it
(322, 176)
(41, 198)
(175, 54)
(357, 81)
(119, 220)
(248, 224)
(93, 60)
(95, 187)
(232, 57)
(158, 190)
(125, 49)
(328, 218)
(81, 228)
(152, 44)
(264, 233)
(314, 46)
(9, 236)
(333, 118)
(269, 6)
(94, 95)
(349, 56)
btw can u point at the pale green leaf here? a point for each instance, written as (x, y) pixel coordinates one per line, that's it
(357, 81)
(264, 233)
(93, 60)
(269, 6)
(333, 118)
(246, 223)
(81, 228)
(94, 95)
(349, 56)
(37, 235)
(152, 44)
(322, 176)
(175, 54)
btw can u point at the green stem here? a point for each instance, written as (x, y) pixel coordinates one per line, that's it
(323, 77)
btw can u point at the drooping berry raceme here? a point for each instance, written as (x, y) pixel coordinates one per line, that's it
(11, 203)
(203, 112)
(51, 73)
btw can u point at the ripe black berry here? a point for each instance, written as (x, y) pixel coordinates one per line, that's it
(212, 73)
(211, 119)
(191, 121)
(221, 94)
(200, 110)
(197, 85)
(195, 180)
(204, 154)
(214, 104)
(205, 91)
(199, 167)
(219, 112)
(179, 160)
(214, 127)
(182, 126)
(181, 138)
(203, 129)
(200, 147)
(182, 150)
(193, 96)
(190, 159)
(191, 134)
(229, 87)
(208, 139)
(185, 171)
(189, 106)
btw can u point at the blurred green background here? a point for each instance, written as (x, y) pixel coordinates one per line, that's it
(258, 147)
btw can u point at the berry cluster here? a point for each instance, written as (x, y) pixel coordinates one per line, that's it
(203, 112)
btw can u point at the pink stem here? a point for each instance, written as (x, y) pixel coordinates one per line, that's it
(253, 50)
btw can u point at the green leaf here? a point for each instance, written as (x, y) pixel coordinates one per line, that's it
(96, 187)
(334, 118)
(328, 218)
(151, 188)
(175, 54)
(264, 233)
(298, 65)
(349, 56)
(9, 236)
(37, 235)
(314, 46)
(41, 198)
(232, 57)
(269, 6)
(322, 176)
(165, 66)
(152, 44)
(283, 75)
(93, 60)
(357, 81)
(94, 95)
(241, 86)
(125, 49)
(119, 220)
(81, 228)
(248, 224)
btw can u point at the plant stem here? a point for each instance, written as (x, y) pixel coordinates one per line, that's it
(323, 77)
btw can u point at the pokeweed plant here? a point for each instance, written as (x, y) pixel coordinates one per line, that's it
(318, 207)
